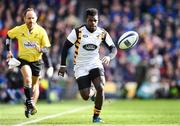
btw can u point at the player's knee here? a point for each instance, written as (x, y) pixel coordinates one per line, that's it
(27, 80)
(100, 88)
(85, 96)
(84, 93)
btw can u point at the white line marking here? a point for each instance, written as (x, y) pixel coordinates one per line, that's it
(53, 116)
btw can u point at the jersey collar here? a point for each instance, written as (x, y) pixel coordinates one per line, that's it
(89, 29)
(30, 32)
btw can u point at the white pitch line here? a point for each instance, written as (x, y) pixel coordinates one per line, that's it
(52, 116)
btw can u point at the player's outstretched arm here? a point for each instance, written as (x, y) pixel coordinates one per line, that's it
(113, 52)
(66, 47)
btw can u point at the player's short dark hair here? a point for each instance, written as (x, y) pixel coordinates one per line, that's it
(91, 12)
(28, 9)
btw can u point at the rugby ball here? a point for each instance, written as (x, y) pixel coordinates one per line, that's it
(128, 40)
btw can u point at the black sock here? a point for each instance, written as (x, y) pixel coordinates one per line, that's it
(28, 93)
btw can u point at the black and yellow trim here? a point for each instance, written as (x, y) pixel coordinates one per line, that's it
(103, 36)
(97, 111)
(77, 43)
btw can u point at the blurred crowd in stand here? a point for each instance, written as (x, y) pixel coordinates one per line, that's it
(149, 70)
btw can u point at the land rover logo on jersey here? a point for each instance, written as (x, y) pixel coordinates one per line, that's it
(85, 36)
(89, 47)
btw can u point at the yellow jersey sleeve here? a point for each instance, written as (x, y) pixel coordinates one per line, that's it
(13, 33)
(45, 40)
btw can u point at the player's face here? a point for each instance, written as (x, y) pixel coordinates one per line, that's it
(92, 22)
(30, 19)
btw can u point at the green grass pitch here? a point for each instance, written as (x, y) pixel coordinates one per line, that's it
(79, 113)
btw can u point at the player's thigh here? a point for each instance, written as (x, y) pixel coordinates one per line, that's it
(36, 68)
(97, 77)
(26, 72)
(35, 80)
(84, 84)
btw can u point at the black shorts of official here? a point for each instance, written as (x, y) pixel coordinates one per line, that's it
(35, 66)
(85, 81)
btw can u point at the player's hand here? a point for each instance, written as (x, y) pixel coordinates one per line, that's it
(50, 71)
(106, 60)
(9, 55)
(61, 71)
